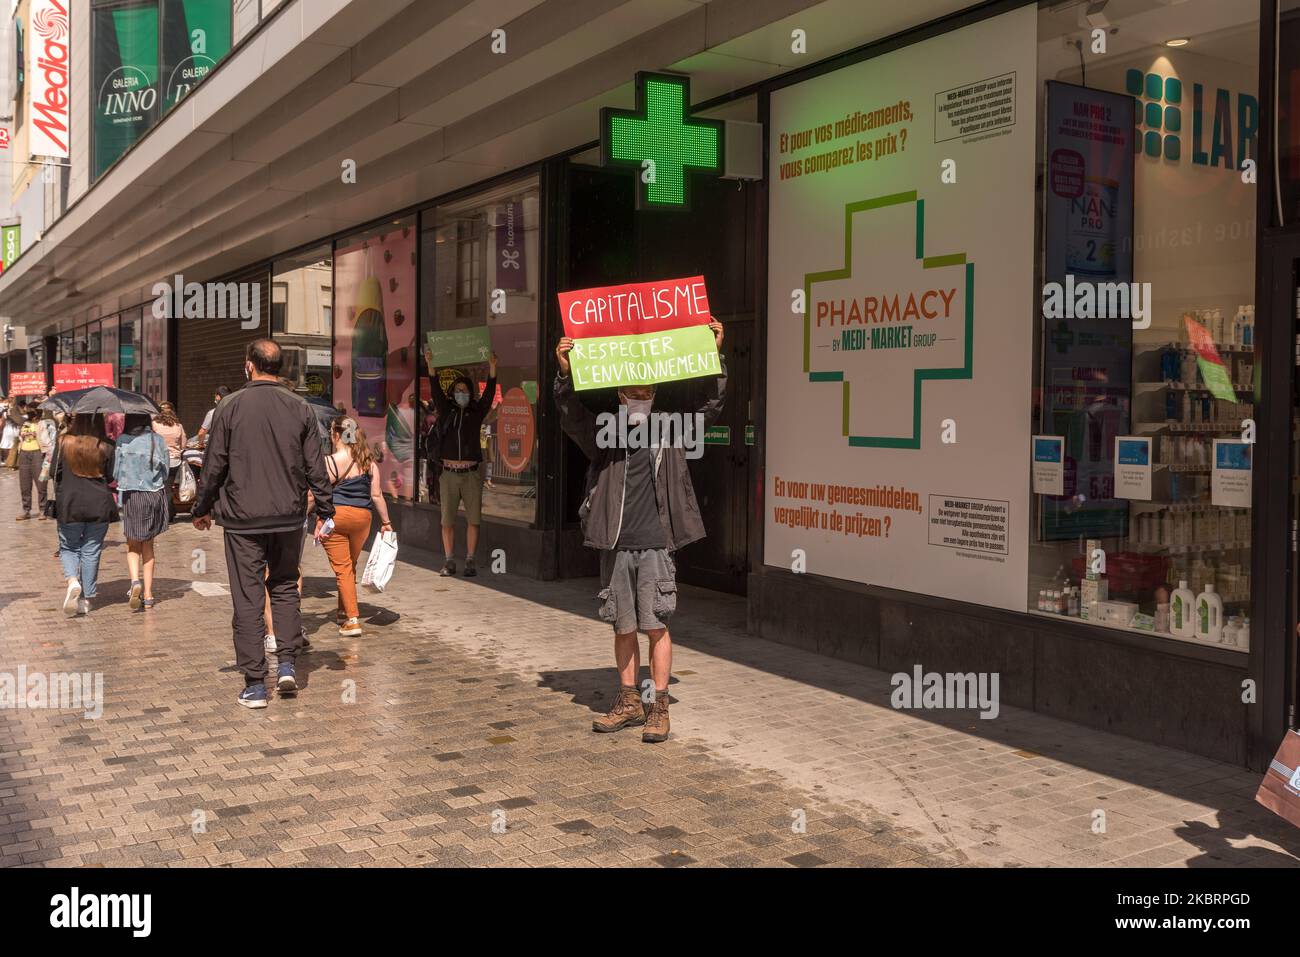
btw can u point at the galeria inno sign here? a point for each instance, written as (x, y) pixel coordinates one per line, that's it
(49, 78)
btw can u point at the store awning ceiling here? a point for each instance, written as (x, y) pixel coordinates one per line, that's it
(250, 165)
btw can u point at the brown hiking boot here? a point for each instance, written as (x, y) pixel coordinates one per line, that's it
(656, 722)
(627, 712)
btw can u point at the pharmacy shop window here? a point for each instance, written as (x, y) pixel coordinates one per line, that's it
(1146, 330)
(479, 295)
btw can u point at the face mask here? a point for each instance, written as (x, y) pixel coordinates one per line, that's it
(462, 399)
(638, 410)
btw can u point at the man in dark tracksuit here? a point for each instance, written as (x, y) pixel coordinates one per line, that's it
(639, 508)
(263, 454)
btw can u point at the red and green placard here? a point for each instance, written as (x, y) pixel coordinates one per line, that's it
(1209, 362)
(639, 334)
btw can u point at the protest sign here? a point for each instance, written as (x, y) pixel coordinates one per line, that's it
(640, 333)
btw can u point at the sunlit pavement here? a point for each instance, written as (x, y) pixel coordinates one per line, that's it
(456, 731)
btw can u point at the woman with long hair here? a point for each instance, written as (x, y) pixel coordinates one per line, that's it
(140, 468)
(166, 424)
(355, 476)
(85, 506)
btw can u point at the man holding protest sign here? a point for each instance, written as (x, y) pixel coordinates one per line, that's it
(639, 505)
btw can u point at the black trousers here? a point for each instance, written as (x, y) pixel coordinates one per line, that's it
(256, 564)
(29, 471)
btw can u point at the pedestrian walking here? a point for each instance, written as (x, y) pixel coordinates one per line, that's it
(205, 428)
(9, 437)
(31, 459)
(460, 418)
(263, 455)
(638, 509)
(85, 507)
(140, 469)
(168, 425)
(355, 478)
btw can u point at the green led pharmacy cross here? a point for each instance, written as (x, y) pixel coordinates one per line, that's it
(660, 129)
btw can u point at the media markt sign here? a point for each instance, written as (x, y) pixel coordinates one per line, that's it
(51, 106)
(661, 141)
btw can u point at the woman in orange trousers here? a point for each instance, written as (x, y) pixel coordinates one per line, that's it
(355, 475)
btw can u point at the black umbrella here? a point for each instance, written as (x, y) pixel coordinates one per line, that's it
(325, 416)
(100, 398)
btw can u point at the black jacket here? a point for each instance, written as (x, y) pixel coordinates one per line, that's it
(457, 431)
(263, 454)
(601, 512)
(78, 499)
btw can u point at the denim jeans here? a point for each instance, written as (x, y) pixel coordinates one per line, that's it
(80, 545)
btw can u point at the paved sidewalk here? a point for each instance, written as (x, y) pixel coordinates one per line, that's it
(457, 731)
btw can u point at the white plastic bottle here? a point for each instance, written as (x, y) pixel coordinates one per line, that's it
(1181, 609)
(1209, 615)
(1230, 632)
(1243, 634)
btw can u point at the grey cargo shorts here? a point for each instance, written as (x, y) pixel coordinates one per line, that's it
(640, 592)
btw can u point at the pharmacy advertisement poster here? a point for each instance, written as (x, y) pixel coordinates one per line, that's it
(639, 334)
(1133, 467)
(374, 346)
(900, 317)
(1230, 475)
(1048, 469)
(1087, 362)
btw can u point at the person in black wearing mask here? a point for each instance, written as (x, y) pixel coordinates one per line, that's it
(456, 438)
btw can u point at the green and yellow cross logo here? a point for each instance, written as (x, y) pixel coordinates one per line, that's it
(661, 141)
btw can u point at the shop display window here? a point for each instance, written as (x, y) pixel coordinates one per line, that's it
(479, 282)
(373, 375)
(302, 320)
(1145, 524)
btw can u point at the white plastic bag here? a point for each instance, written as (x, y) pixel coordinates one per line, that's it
(379, 568)
(188, 487)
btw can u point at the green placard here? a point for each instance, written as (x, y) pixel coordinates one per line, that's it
(455, 347)
(749, 435)
(602, 362)
(717, 435)
(10, 245)
(530, 390)
(661, 136)
(125, 77)
(196, 37)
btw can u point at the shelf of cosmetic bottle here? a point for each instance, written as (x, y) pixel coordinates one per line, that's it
(1184, 387)
(1197, 427)
(1141, 631)
(1196, 548)
(1179, 467)
(1187, 347)
(1185, 506)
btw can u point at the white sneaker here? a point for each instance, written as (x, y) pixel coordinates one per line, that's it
(83, 606)
(72, 599)
(269, 644)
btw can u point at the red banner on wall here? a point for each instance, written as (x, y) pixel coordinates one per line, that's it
(68, 378)
(26, 383)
